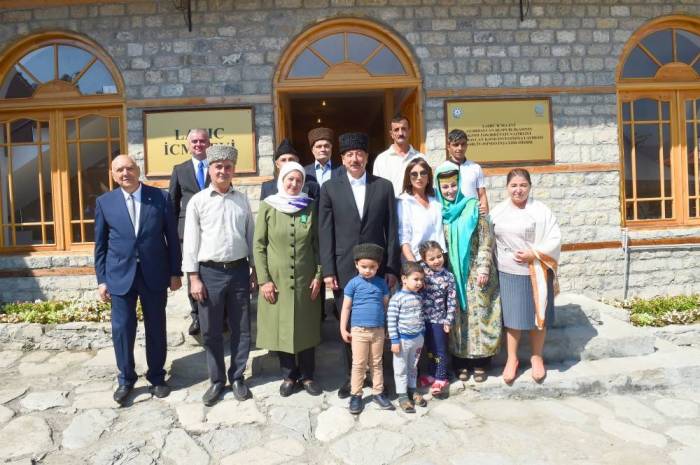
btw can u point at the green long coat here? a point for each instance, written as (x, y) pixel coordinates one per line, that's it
(286, 252)
(476, 332)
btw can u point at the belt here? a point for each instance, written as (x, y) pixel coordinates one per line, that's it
(225, 265)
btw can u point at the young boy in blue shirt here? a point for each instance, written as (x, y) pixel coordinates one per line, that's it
(364, 306)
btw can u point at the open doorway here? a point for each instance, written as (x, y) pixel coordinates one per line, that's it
(367, 111)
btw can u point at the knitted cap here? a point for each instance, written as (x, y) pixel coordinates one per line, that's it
(317, 134)
(353, 141)
(368, 250)
(284, 148)
(222, 152)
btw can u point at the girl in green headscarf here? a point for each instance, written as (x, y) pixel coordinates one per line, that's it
(476, 334)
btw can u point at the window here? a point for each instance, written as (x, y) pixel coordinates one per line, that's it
(61, 123)
(659, 101)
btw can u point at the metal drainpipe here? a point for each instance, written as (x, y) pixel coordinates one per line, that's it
(626, 252)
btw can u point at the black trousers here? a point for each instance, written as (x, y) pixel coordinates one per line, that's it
(228, 290)
(338, 296)
(300, 366)
(471, 363)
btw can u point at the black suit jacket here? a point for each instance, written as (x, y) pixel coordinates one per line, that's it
(183, 185)
(340, 226)
(311, 188)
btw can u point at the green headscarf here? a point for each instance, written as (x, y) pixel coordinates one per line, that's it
(460, 217)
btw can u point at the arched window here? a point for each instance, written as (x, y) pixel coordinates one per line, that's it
(61, 123)
(659, 111)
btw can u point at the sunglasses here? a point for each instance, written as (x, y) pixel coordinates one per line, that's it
(418, 174)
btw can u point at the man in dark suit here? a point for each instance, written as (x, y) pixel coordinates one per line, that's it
(137, 255)
(356, 207)
(188, 178)
(321, 143)
(286, 152)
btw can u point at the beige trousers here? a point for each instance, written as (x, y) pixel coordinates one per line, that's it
(367, 345)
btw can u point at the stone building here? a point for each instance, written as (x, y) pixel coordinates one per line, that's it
(623, 78)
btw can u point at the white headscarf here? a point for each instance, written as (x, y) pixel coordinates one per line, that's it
(281, 200)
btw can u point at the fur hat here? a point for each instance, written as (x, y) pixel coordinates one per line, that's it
(220, 152)
(368, 250)
(317, 134)
(353, 141)
(284, 148)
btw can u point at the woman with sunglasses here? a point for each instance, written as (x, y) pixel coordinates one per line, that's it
(420, 213)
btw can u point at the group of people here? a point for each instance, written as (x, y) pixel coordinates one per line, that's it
(466, 273)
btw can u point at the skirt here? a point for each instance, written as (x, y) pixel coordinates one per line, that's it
(518, 302)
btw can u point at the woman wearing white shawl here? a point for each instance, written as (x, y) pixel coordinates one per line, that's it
(528, 242)
(285, 247)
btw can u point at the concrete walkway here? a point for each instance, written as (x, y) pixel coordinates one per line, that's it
(56, 408)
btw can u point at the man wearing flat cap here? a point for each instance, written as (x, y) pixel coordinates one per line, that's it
(356, 207)
(321, 143)
(218, 257)
(286, 152)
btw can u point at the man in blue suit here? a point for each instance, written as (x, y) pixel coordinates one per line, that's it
(137, 254)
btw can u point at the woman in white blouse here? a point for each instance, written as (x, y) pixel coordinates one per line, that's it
(420, 213)
(528, 242)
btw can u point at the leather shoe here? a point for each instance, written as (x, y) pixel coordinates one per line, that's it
(194, 327)
(312, 387)
(121, 394)
(213, 393)
(383, 402)
(287, 387)
(344, 391)
(240, 390)
(356, 405)
(160, 390)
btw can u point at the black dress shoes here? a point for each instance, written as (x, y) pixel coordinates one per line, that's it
(240, 390)
(312, 387)
(383, 402)
(344, 391)
(160, 390)
(213, 393)
(194, 327)
(287, 387)
(121, 394)
(356, 404)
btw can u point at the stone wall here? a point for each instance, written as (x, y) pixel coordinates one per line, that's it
(236, 45)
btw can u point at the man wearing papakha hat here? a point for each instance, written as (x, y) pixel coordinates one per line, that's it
(218, 257)
(286, 152)
(321, 143)
(356, 207)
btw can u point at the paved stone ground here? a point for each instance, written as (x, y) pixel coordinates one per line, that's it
(57, 408)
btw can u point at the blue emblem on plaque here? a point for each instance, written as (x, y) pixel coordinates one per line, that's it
(539, 109)
(457, 112)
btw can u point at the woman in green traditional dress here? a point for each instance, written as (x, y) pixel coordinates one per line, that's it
(287, 265)
(476, 334)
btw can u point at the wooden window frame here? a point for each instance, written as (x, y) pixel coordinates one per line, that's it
(53, 105)
(661, 85)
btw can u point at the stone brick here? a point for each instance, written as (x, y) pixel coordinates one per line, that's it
(566, 37)
(134, 50)
(51, 13)
(112, 10)
(619, 10)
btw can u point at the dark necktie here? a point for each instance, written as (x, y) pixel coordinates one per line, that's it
(200, 175)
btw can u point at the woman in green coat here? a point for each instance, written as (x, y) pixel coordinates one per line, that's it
(287, 265)
(476, 334)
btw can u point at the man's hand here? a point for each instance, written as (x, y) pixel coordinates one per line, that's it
(269, 292)
(332, 282)
(105, 296)
(396, 348)
(197, 288)
(390, 280)
(175, 283)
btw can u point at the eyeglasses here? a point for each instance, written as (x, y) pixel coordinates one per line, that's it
(418, 174)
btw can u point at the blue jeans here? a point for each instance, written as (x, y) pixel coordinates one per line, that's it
(436, 349)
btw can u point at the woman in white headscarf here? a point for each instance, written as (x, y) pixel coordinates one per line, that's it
(288, 270)
(528, 242)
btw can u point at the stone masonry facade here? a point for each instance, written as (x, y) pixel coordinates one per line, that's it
(235, 47)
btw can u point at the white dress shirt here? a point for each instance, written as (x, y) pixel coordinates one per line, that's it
(419, 224)
(359, 188)
(218, 228)
(137, 206)
(392, 166)
(323, 173)
(195, 162)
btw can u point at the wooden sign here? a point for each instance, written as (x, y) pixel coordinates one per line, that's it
(504, 131)
(165, 136)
